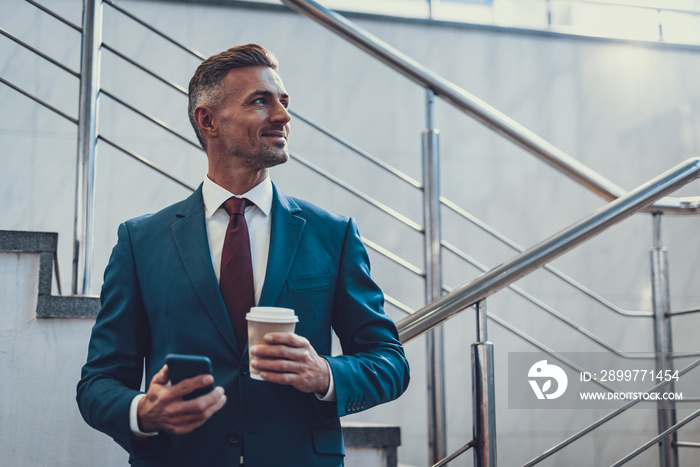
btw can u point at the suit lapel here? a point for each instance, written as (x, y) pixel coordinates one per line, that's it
(285, 235)
(190, 235)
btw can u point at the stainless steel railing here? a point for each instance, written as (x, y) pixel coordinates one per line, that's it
(400, 175)
(522, 264)
(386, 167)
(474, 293)
(433, 242)
(479, 110)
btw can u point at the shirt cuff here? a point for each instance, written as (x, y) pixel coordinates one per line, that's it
(134, 419)
(330, 395)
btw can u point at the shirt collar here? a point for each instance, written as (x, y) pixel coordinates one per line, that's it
(215, 195)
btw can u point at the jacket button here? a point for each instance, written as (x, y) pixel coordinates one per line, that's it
(363, 405)
(244, 372)
(234, 438)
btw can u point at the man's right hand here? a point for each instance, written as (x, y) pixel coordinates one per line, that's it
(163, 409)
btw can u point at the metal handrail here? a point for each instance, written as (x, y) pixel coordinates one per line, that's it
(547, 308)
(146, 70)
(143, 160)
(522, 264)
(456, 454)
(584, 431)
(55, 15)
(687, 311)
(151, 118)
(376, 161)
(685, 204)
(657, 438)
(687, 444)
(479, 110)
(358, 151)
(398, 304)
(367, 156)
(549, 351)
(38, 52)
(155, 30)
(393, 257)
(377, 204)
(551, 269)
(146, 162)
(38, 101)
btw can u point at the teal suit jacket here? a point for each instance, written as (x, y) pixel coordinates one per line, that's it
(160, 296)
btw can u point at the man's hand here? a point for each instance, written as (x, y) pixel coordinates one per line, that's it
(287, 358)
(163, 408)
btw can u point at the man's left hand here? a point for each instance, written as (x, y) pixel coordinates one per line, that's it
(287, 358)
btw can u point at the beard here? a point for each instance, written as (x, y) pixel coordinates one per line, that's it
(264, 157)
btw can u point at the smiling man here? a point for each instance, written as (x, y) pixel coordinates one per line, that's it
(181, 281)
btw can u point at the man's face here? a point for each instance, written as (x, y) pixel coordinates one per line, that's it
(252, 118)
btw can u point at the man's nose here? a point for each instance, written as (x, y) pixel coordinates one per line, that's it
(280, 114)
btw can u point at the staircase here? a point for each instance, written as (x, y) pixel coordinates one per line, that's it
(494, 180)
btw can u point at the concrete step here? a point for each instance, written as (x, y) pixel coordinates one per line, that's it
(371, 444)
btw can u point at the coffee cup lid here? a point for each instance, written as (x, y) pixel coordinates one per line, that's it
(270, 314)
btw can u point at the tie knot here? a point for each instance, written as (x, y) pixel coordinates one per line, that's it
(235, 205)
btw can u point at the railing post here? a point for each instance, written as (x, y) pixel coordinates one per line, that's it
(87, 139)
(663, 345)
(483, 393)
(437, 442)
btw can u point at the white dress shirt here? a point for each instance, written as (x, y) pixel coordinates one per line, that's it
(257, 216)
(259, 222)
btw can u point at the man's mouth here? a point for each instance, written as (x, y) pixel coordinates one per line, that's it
(278, 136)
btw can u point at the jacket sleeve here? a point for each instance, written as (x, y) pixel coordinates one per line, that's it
(112, 376)
(373, 368)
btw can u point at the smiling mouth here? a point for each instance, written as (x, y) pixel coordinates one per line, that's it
(277, 137)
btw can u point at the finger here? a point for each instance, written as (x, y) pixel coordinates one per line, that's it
(271, 351)
(276, 352)
(277, 365)
(210, 399)
(188, 385)
(161, 377)
(286, 338)
(183, 416)
(187, 422)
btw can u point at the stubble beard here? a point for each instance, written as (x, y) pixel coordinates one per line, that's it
(264, 158)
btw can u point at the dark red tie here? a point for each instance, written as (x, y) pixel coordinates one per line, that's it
(236, 281)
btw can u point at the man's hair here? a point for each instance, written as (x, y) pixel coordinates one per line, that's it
(206, 83)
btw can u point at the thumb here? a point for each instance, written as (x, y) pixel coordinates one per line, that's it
(161, 377)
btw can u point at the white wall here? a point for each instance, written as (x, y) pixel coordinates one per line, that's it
(40, 364)
(627, 111)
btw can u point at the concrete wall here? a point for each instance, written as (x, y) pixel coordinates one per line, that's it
(40, 364)
(628, 111)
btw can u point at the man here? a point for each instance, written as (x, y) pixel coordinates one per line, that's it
(166, 291)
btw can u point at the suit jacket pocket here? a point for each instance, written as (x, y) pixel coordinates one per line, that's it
(309, 282)
(328, 440)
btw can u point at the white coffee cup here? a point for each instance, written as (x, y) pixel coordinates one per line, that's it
(264, 319)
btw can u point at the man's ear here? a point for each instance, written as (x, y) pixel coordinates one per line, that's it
(204, 118)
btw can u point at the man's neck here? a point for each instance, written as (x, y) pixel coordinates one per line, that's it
(238, 183)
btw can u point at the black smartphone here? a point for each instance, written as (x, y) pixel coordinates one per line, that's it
(187, 366)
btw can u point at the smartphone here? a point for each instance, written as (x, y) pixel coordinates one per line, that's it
(187, 366)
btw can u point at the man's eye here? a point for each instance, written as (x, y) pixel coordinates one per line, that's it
(285, 104)
(259, 100)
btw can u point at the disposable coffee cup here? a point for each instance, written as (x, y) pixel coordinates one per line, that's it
(264, 319)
